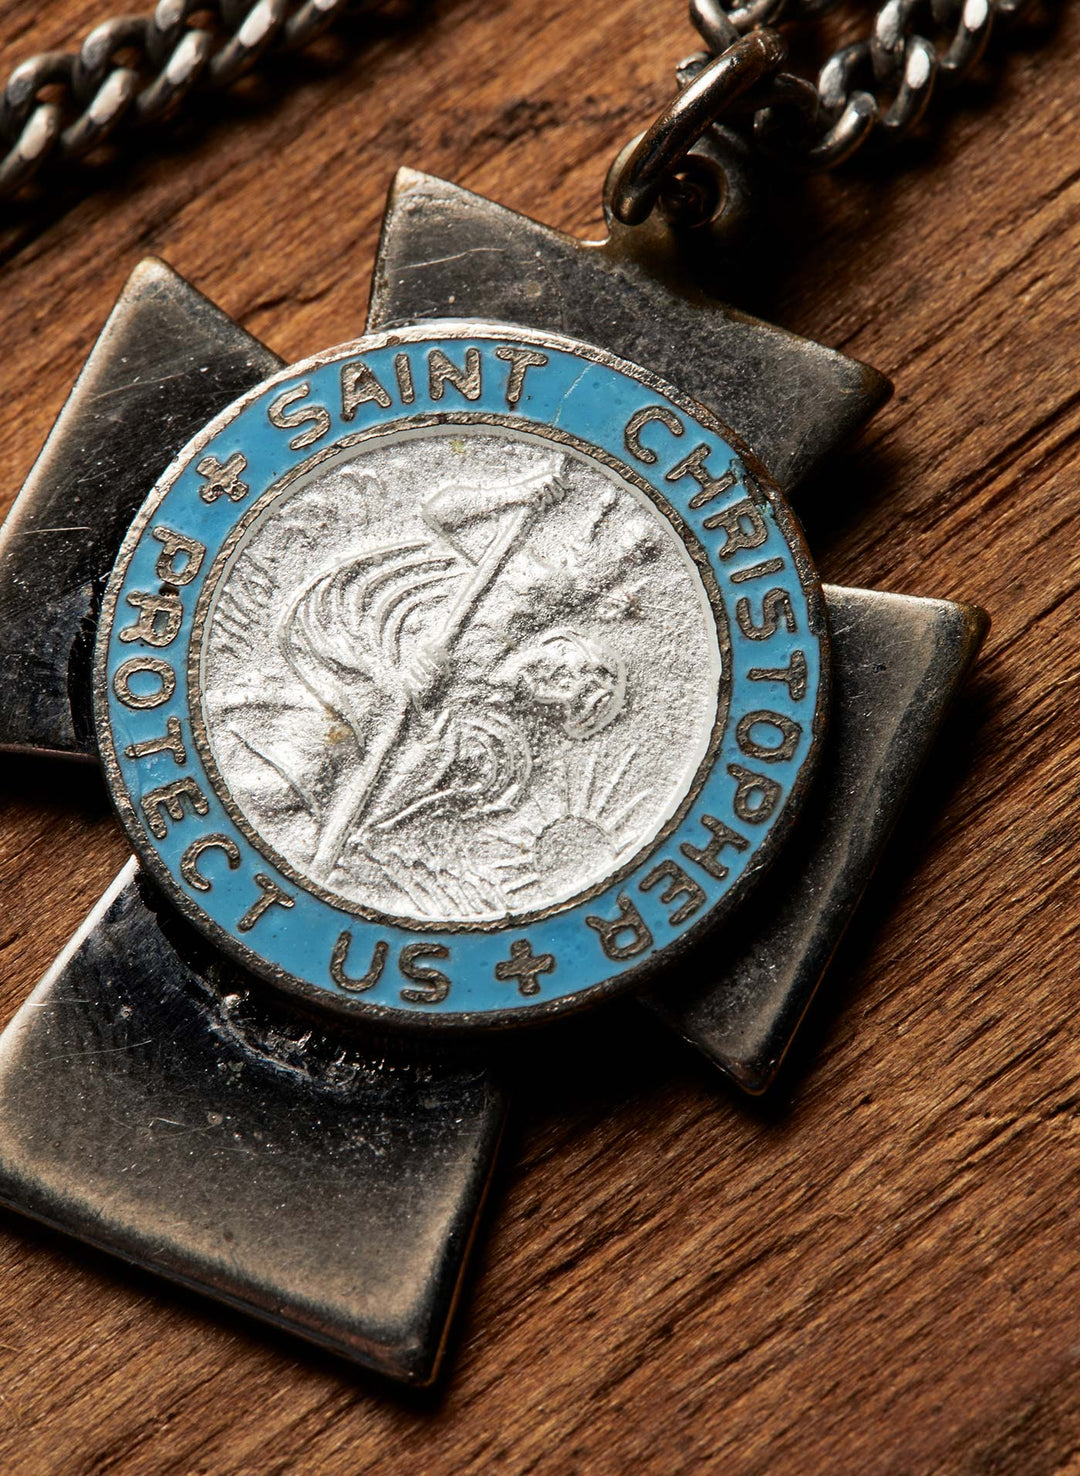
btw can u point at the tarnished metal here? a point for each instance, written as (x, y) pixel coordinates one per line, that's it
(898, 663)
(168, 358)
(710, 191)
(155, 1104)
(704, 100)
(875, 88)
(719, 23)
(446, 252)
(129, 71)
(880, 87)
(59, 105)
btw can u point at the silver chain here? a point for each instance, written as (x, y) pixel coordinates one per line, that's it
(876, 88)
(59, 105)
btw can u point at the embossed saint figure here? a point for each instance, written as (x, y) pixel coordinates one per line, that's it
(446, 657)
(457, 673)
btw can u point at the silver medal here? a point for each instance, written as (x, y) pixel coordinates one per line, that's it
(454, 678)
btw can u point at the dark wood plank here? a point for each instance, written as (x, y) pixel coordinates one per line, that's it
(878, 1271)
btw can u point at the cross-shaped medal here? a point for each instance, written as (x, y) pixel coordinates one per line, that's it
(456, 679)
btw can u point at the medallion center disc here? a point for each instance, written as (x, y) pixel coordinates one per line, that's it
(459, 674)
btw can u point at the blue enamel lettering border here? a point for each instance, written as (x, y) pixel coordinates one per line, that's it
(591, 398)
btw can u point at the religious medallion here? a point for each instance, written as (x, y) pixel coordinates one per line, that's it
(459, 674)
(450, 680)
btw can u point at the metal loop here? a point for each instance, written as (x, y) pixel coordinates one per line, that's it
(35, 143)
(95, 55)
(893, 27)
(970, 36)
(857, 119)
(794, 99)
(915, 88)
(848, 69)
(257, 31)
(26, 81)
(713, 24)
(684, 120)
(179, 75)
(97, 121)
(311, 20)
(166, 28)
(878, 87)
(757, 14)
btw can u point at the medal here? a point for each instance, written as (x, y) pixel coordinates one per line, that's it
(449, 682)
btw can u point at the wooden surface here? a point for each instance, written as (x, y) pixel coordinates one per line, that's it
(880, 1269)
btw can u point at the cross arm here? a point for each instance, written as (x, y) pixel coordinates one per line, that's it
(166, 361)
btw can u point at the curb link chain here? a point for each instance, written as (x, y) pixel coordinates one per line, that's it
(874, 89)
(881, 85)
(59, 105)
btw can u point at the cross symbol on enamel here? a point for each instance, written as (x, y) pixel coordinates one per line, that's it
(525, 966)
(406, 1133)
(223, 478)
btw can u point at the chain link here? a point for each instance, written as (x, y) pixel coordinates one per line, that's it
(876, 88)
(59, 105)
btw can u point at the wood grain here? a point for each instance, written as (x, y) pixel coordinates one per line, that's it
(878, 1271)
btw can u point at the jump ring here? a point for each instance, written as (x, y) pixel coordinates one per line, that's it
(685, 119)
